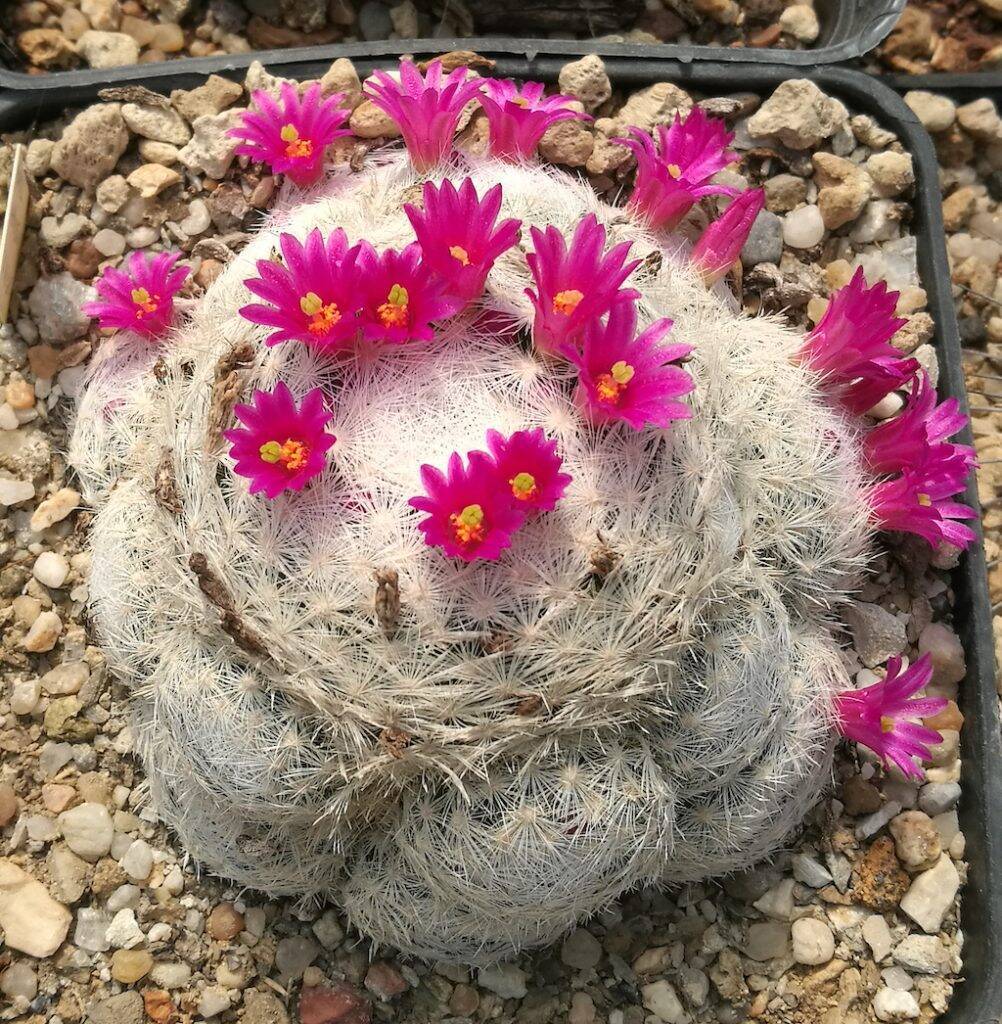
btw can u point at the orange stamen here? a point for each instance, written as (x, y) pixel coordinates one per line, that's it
(293, 455)
(296, 148)
(924, 500)
(322, 317)
(393, 312)
(610, 386)
(468, 524)
(675, 171)
(459, 253)
(523, 486)
(886, 723)
(567, 301)
(145, 302)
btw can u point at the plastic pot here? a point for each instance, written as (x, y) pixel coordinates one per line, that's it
(979, 998)
(849, 28)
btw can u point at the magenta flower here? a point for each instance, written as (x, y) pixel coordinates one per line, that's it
(470, 512)
(459, 235)
(906, 441)
(426, 110)
(400, 297)
(850, 347)
(313, 297)
(878, 378)
(674, 175)
(722, 241)
(291, 136)
(519, 117)
(883, 716)
(574, 284)
(919, 502)
(280, 447)
(630, 377)
(141, 297)
(529, 466)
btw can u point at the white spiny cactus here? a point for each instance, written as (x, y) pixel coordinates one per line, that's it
(639, 690)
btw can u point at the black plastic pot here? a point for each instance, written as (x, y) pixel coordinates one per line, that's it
(849, 28)
(979, 999)
(961, 87)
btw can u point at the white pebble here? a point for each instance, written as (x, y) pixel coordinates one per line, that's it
(13, 492)
(813, 942)
(108, 242)
(138, 861)
(24, 696)
(803, 228)
(141, 237)
(198, 219)
(893, 1005)
(51, 569)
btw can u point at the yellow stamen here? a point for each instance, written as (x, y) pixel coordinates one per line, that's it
(610, 386)
(322, 317)
(566, 302)
(523, 486)
(147, 303)
(886, 723)
(674, 170)
(296, 148)
(520, 101)
(924, 500)
(293, 454)
(468, 525)
(393, 312)
(459, 253)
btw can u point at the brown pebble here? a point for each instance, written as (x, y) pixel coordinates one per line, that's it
(45, 361)
(8, 804)
(208, 272)
(83, 259)
(129, 965)
(860, 796)
(225, 922)
(384, 981)
(465, 1000)
(20, 394)
(57, 797)
(880, 880)
(949, 718)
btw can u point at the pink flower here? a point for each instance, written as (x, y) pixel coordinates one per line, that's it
(919, 502)
(519, 117)
(313, 296)
(280, 447)
(878, 378)
(883, 716)
(574, 284)
(528, 464)
(850, 347)
(291, 137)
(400, 297)
(470, 512)
(722, 241)
(426, 110)
(459, 235)
(906, 441)
(141, 297)
(673, 176)
(631, 377)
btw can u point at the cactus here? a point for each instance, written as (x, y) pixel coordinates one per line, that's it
(471, 756)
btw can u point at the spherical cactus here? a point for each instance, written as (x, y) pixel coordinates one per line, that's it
(473, 730)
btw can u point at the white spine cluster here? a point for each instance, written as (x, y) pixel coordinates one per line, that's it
(638, 691)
